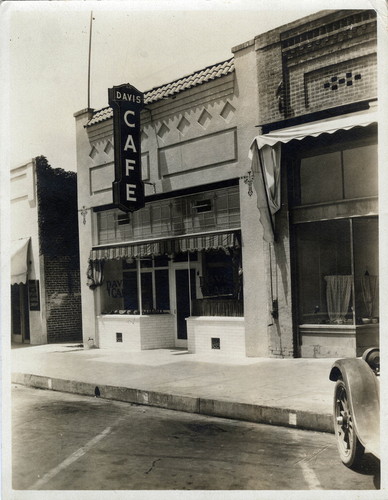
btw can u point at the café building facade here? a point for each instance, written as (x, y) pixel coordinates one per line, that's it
(257, 233)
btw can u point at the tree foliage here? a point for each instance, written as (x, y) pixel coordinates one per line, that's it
(57, 210)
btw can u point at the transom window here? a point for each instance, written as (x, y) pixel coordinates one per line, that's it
(338, 175)
(211, 210)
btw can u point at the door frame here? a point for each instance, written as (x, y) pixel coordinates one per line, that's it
(196, 266)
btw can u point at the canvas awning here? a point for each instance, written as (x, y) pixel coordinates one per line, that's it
(204, 241)
(314, 129)
(265, 154)
(19, 260)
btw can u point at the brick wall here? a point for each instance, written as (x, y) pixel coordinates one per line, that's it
(138, 332)
(318, 63)
(63, 300)
(280, 331)
(59, 248)
(157, 332)
(327, 62)
(228, 334)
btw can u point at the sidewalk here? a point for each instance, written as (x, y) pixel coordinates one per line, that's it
(290, 392)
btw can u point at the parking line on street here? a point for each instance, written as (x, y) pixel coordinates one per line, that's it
(69, 460)
(310, 476)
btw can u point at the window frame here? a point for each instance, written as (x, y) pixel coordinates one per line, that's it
(148, 270)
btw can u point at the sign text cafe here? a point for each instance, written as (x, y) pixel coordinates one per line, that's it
(128, 188)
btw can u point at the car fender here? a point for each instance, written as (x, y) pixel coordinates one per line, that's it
(363, 397)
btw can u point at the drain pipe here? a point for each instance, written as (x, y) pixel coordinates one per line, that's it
(188, 270)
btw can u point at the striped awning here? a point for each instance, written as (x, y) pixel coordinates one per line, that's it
(219, 240)
(207, 242)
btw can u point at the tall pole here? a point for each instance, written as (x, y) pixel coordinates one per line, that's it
(90, 53)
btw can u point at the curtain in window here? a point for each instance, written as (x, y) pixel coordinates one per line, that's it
(338, 292)
(369, 288)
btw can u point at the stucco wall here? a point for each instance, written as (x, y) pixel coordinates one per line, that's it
(85, 225)
(189, 140)
(24, 223)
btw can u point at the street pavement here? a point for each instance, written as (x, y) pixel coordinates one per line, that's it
(68, 442)
(288, 392)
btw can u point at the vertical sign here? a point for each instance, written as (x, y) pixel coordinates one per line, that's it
(128, 188)
(33, 295)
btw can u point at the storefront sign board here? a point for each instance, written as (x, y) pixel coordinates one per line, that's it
(128, 188)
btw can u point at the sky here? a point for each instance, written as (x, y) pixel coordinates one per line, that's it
(145, 43)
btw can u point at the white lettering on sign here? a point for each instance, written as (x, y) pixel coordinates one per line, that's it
(131, 192)
(129, 112)
(127, 187)
(129, 144)
(123, 96)
(129, 165)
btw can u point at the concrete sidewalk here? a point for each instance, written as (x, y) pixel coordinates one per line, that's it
(290, 392)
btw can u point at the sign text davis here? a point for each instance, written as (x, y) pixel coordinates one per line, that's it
(128, 188)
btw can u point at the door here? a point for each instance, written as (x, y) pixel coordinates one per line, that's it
(20, 325)
(185, 290)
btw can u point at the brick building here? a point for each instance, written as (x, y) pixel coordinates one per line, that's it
(317, 84)
(45, 285)
(260, 179)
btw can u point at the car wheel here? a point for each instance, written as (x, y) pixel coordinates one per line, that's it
(349, 446)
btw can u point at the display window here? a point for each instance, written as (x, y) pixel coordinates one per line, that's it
(333, 197)
(120, 290)
(337, 265)
(221, 284)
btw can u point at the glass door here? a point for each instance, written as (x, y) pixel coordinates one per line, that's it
(185, 291)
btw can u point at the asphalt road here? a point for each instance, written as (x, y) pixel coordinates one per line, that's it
(68, 442)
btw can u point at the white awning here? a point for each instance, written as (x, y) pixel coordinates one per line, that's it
(19, 260)
(265, 153)
(314, 129)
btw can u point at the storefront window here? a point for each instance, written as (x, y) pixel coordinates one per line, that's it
(366, 269)
(162, 290)
(120, 294)
(221, 284)
(154, 285)
(337, 271)
(130, 293)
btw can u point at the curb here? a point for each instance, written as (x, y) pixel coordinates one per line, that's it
(297, 419)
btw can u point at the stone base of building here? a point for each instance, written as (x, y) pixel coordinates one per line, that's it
(337, 341)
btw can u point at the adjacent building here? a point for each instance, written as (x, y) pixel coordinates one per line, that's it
(45, 284)
(318, 118)
(259, 233)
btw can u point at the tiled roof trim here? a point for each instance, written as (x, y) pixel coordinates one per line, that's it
(170, 89)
